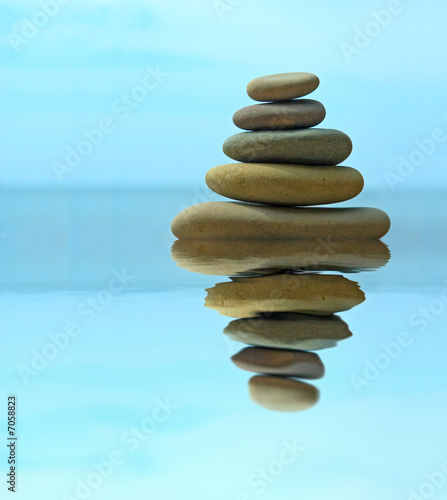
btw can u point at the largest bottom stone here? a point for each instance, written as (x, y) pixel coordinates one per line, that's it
(234, 221)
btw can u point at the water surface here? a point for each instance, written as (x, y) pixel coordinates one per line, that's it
(142, 377)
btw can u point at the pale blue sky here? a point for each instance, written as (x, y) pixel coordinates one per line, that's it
(68, 77)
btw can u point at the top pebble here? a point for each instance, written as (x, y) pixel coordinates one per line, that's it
(282, 87)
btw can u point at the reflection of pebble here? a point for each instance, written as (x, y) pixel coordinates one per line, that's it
(316, 146)
(301, 113)
(282, 87)
(317, 294)
(230, 258)
(289, 331)
(282, 394)
(220, 220)
(277, 184)
(280, 362)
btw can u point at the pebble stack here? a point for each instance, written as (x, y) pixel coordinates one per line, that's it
(285, 165)
(276, 245)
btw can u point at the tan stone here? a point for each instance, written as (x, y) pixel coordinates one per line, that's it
(232, 258)
(285, 184)
(236, 221)
(282, 394)
(282, 86)
(316, 294)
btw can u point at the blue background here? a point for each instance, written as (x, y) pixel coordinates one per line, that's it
(65, 79)
(62, 240)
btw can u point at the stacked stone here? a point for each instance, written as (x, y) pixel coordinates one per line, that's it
(284, 164)
(275, 243)
(281, 151)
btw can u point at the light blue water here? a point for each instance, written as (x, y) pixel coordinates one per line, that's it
(150, 344)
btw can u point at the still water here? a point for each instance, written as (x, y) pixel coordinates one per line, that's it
(124, 380)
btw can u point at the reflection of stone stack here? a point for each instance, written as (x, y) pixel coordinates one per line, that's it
(274, 277)
(227, 258)
(282, 339)
(273, 247)
(285, 165)
(284, 308)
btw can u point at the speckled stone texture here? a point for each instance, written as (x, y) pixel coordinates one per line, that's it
(233, 221)
(301, 113)
(315, 294)
(285, 184)
(282, 86)
(316, 146)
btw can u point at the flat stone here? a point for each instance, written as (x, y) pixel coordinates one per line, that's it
(288, 185)
(282, 86)
(315, 294)
(236, 221)
(245, 257)
(287, 363)
(301, 113)
(289, 331)
(316, 146)
(282, 394)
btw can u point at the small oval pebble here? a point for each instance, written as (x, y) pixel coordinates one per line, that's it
(282, 86)
(282, 394)
(289, 331)
(299, 364)
(285, 184)
(235, 221)
(302, 113)
(232, 258)
(316, 294)
(316, 146)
